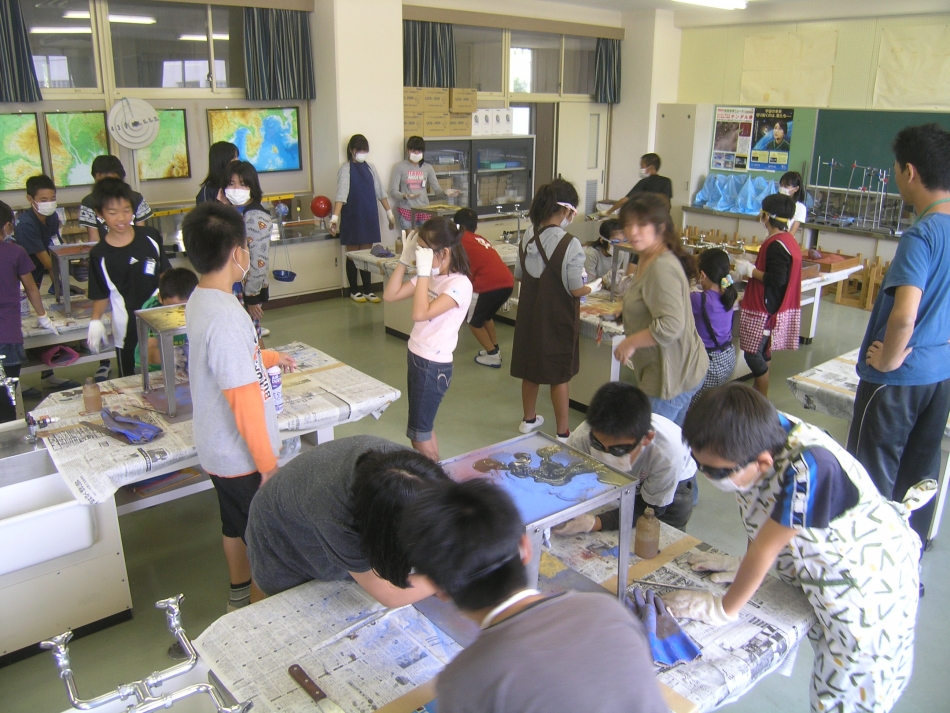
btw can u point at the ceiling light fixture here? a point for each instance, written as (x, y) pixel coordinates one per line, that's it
(717, 4)
(60, 30)
(203, 38)
(126, 19)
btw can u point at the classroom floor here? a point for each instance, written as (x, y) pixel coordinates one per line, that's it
(176, 547)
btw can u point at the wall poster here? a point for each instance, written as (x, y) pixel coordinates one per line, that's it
(747, 138)
(773, 139)
(733, 138)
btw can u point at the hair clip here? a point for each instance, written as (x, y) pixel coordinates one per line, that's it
(727, 281)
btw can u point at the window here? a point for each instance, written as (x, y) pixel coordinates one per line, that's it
(534, 63)
(478, 55)
(61, 42)
(579, 54)
(172, 51)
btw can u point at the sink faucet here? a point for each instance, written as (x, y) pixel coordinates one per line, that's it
(10, 382)
(147, 700)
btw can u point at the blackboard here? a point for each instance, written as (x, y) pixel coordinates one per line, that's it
(863, 138)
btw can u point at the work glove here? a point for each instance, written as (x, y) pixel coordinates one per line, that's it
(96, 338)
(424, 261)
(669, 644)
(334, 224)
(701, 606)
(453, 192)
(596, 285)
(724, 566)
(135, 430)
(46, 323)
(577, 526)
(409, 248)
(744, 269)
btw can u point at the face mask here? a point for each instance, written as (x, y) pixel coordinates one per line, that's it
(6, 235)
(244, 270)
(238, 196)
(360, 157)
(621, 463)
(728, 485)
(785, 191)
(415, 157)
(47, 208)
(643, 173)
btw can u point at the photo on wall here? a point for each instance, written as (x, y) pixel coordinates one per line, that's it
(75, 139)
(732, 141)
(19, 150)
(267, 138)
(167, 156)
(773, 139)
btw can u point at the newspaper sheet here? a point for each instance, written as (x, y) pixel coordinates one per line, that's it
(94, 465)
(360, 654)
(77, 321)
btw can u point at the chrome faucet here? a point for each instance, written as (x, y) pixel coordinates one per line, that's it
(9, 382)
(143, 690)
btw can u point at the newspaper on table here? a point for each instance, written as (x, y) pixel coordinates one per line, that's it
(77, 322)
(768, 631)
(359, 653)
(324, 393)
(597, 316)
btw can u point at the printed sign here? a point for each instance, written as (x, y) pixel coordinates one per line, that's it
(773, 139)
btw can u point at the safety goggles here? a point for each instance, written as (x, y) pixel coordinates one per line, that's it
(719, 473)
(619, 451)
(569, 207)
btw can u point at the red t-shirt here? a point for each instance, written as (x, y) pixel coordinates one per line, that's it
(489, 272)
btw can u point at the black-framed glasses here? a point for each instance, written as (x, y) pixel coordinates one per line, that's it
(618, 451)
(719, 473)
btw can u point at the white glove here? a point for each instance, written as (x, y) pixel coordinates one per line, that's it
(424, 262)
(577, 526)
(596, 285)
(409, 248)
(96, 339)
(392, 219)
(46, 323)
(453, 192)
(744, 268)
(334, 223)
(701, 606)
(724, 566)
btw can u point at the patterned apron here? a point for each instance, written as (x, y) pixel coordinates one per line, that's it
(860, 575)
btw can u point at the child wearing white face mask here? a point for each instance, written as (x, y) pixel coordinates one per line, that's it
(412, 179)
(791, 185)
(621, 432)
(244, 193)
(441, 293)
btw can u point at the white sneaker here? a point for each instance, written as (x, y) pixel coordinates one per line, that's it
(357, 297)
(482, 352)
(526, 427)
(265, 332)
(371, 297)
(563, 439)
(492, 360)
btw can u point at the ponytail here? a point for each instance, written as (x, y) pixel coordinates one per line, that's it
(440, 234)
(715, 264)
(545, 203)
(654, 209)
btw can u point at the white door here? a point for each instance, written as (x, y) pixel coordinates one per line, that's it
(675, 128)
(582, 150)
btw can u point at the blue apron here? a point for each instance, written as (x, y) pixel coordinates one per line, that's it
(359, 219)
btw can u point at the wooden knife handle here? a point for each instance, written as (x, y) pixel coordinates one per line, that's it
(306, 683)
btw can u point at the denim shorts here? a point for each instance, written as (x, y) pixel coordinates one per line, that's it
(13, 354)
(428, 382)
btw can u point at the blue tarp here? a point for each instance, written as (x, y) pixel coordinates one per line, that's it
(732, 193)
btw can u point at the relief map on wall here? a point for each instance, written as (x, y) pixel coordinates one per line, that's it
(167, 155)
(75, 139)
(19, 150)
(268, 138)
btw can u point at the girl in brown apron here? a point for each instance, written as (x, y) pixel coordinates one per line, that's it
(550, 266)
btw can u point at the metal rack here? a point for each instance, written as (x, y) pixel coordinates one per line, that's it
(865, 204)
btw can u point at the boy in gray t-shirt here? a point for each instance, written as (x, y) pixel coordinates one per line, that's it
(235, 420)
(568, 652)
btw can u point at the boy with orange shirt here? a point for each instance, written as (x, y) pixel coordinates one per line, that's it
(235, 419)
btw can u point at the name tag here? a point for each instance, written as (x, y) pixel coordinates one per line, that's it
(150, 266)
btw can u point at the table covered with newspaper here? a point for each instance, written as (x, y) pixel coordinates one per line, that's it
(365, 657)
(323, 393)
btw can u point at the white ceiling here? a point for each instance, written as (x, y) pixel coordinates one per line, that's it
(759, 11)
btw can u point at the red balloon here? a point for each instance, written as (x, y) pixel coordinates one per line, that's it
(321, 206)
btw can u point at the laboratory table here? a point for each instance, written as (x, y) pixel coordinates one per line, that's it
(71, 327)
(830, 388)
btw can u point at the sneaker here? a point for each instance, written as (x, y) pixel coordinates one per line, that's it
(357, 297)
(102, 373)
(371, 297)
(563, 439)
(32, 393)
(54, 383)
(492, 360)
(526, 427)
(265, 332)
(484, 352)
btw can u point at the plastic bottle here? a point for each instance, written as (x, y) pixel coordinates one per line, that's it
(584, 278)
(647, 543)
(91, 396)
(24, 304)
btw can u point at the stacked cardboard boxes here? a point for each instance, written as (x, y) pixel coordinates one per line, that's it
(433, 112)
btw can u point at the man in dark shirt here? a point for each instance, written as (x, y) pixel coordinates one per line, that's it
(650, 181)
(108, 166)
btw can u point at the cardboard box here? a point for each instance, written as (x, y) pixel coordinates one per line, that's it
(412, 124)
(460, 124)
(411, 99)
(435, 100)
(435, 124)
(481, 122)
(463, 101)
(501, 122)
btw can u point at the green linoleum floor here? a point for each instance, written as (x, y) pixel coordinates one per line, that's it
(176, 547)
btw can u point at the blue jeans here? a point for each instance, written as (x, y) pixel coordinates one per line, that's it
(675, 408)
(427, 383)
